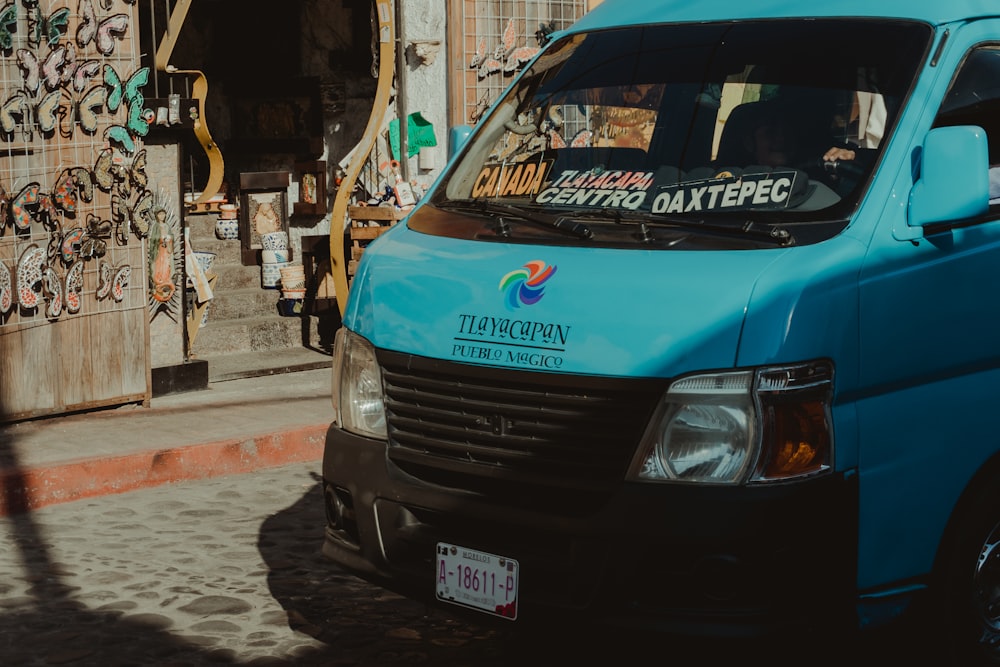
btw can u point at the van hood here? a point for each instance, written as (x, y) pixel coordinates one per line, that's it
(636, 313)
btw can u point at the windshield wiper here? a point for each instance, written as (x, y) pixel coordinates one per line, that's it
(762, 232)
(503, 212)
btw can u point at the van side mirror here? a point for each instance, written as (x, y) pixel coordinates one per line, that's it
(954, 181)
(457, 138)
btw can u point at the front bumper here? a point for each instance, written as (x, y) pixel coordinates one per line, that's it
(727, 561)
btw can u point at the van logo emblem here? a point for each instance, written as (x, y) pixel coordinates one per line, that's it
(498, 424)
(526, 285)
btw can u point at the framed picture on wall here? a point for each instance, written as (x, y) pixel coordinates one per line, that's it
(312, 188)
(263, 210)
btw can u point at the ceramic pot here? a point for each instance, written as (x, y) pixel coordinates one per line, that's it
(270, 275)
(274, 256)
(274, 241)
(227, 229)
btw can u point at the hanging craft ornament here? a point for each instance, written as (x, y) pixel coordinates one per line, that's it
(88, 108)
(6, 289)
(69, 249)
(29, 276)
(105, 277)
(84, 73)
(95, 241)
(48, 29)
(52, 67)
(27, 62)
(137, 173)
(21, 204)
(74, 288)
(8, 25)
(52, 288)
(14, 112)
(120, 282)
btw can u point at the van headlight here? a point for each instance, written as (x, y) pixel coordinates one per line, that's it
(751, 426)
(357, 386)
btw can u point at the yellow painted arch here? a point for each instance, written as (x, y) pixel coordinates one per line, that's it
(386, 71)
(216, 164)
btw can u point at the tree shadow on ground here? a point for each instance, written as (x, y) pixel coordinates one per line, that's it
(50, 625)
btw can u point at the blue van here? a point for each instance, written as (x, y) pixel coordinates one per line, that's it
(697, 330)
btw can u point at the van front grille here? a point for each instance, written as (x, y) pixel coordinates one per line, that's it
(513, 434)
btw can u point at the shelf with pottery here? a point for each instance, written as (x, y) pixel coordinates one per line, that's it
(368, 223)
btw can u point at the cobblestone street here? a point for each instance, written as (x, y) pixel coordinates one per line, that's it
(229, 571)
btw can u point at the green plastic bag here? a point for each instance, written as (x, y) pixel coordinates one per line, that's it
(419, 134)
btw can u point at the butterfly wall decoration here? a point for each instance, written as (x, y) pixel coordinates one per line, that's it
(47, 110)
(104, 34)
(15, 111)
(6, 289)
(507, 57)
(95, 241)
(8, 26)
(73, 288)
(88, 108)
(52, 69)
(22, 204)
(48, 29)
(138, 217)
(28, 277)
(127, 93)
(27, 62)
(84, 72)
(105, 277)
(72, 184)
(52, 290)
(66, 246)
(110, 175)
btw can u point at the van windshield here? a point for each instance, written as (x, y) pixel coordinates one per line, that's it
(774, 123)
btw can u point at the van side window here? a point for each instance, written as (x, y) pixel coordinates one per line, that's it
(974, 99)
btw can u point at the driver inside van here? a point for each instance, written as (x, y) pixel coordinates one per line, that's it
(781, 139)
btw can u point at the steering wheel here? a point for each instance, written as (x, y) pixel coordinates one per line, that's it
(841, 175)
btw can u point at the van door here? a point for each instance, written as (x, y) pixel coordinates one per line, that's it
(930, 355)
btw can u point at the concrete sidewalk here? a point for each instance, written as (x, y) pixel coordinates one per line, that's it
(233, 426)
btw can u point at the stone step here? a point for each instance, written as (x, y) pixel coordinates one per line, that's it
(236, 276)
(237, 304)
(238, 365)
(226, 251)
(202, 226)
(251, 334)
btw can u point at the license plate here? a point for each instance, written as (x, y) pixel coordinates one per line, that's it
(481, 581)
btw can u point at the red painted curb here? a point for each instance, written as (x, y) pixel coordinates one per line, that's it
(23, 490)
